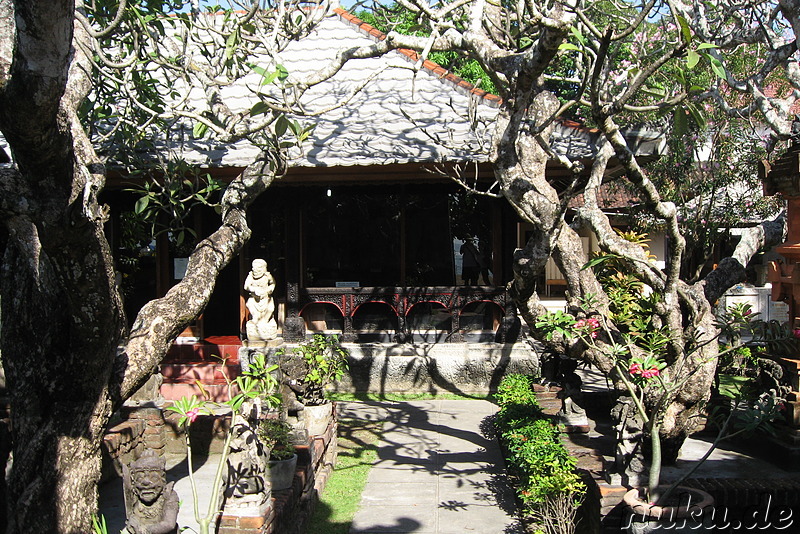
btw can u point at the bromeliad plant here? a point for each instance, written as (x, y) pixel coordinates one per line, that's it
(257, 383)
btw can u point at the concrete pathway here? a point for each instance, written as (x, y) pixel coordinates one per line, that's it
(438, 470)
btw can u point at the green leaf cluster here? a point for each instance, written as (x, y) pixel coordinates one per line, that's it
(326, 362)
(256, 382)
(557, 323)
(535, 454)
(169, 194)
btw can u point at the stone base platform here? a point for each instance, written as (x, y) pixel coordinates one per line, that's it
(463, 368)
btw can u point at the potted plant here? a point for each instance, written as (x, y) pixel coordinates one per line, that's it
(275, 434)
(308, 370)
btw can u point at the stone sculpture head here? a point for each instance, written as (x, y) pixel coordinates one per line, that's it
(259, 268)
(148, 477)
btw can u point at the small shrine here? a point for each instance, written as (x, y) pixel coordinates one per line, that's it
(783, 177)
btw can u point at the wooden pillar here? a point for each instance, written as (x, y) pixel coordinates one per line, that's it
(497, 244)
(294, 327)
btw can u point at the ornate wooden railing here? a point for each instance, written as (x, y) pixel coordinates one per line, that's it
(400, 299)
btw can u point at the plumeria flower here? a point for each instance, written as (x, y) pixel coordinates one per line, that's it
(650, 373)
(192, 414)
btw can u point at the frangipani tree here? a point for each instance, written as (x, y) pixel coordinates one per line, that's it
(618, 64)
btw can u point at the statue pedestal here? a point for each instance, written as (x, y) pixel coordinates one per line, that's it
(262, 343)
(255, 505)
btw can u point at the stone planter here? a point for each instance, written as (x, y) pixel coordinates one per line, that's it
(684, 516)
(280, 473)
(317, 418)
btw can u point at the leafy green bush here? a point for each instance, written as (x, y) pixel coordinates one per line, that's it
(275, 434)
(541, 461)
(546, 480)
(516, 389)
(326, 362)
(517, 401)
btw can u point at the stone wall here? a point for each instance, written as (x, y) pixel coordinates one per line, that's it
(465, 368)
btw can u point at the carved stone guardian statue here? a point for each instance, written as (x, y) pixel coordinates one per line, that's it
(151, 504)
(248, 491)
(262, 328)
(293, 390)
(572, 412)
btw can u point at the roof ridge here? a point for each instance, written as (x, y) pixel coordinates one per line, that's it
(459, 83)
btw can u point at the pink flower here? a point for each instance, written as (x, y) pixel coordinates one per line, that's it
(192, 414)
(650, 373)
(635, 369)
(580, 323)
(594, 323)
(796, 332)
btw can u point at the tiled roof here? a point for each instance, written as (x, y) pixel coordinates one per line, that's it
(438, 70)
(402, 115)
(610, 196)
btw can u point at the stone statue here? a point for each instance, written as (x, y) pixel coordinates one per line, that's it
(262, 329)
(629, 465)
(293, 382)
(247, 488)
(771, 379)
(293, 389)
(151, 504)
(572, 413)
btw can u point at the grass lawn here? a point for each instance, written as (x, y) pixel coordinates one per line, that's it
(339, 501)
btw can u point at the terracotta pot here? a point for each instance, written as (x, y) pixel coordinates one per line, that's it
(685, 515)
(317, 418)
(280, 473)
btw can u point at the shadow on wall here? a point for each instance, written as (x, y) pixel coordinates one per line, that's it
(459, 368)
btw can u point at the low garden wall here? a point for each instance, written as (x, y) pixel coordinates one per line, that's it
(464, 368)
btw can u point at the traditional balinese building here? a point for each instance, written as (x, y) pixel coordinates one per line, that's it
(363, 236)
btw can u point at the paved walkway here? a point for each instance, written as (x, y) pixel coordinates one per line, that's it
(437, 472)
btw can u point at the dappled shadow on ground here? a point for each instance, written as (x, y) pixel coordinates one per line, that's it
(418, 439)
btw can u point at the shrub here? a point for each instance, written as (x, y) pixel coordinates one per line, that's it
(547, 483)
(517, 400)
(275, 434)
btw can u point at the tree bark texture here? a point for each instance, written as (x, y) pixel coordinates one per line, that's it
(68, 359)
